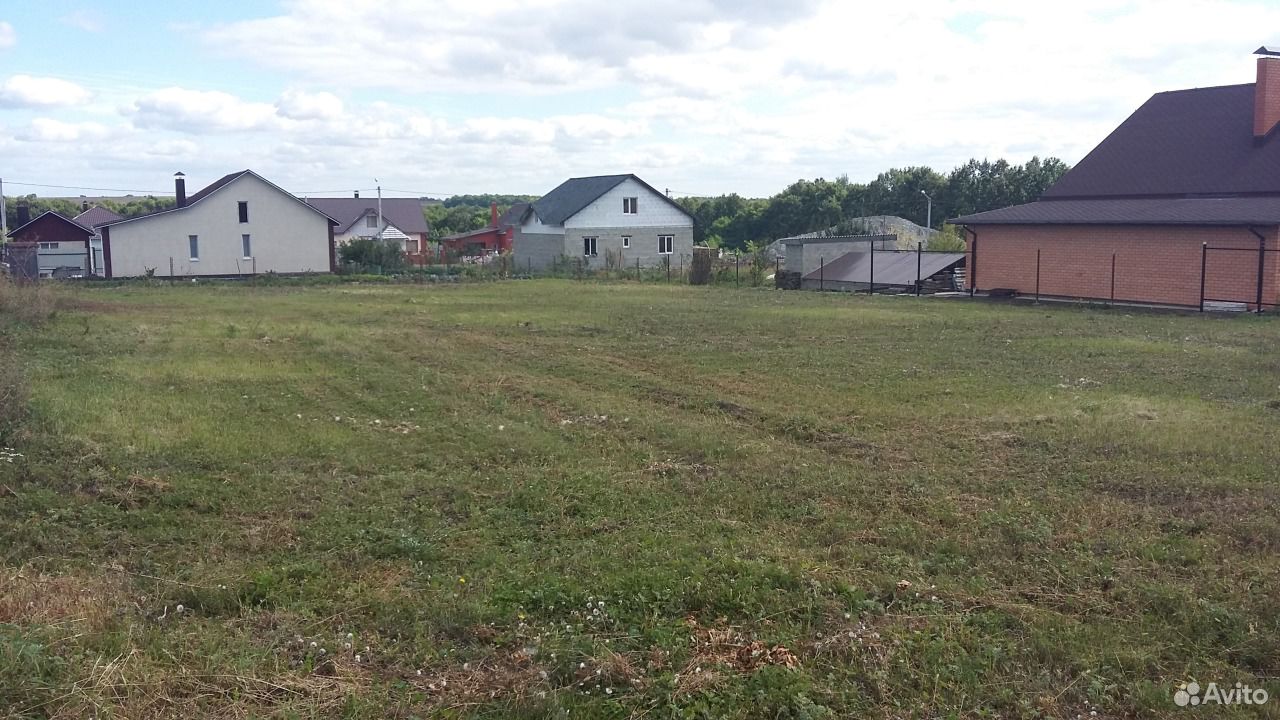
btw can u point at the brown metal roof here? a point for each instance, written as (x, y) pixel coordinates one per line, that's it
(1186, 142)
(1135, 211)
(891, 267)
(404, 213)
(97, 215)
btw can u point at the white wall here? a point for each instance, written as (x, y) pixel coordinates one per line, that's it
(534, 226)
(286, 235)
(606, 212)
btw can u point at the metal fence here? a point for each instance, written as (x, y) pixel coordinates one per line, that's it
(1216, 275)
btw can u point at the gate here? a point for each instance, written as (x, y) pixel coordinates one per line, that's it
(20, 261)
(1246, 276)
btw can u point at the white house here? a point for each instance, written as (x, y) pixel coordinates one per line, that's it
(239, 225)
(402, 219)
(618, 219)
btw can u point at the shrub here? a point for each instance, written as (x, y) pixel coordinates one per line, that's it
(26, 303)
(370, 254)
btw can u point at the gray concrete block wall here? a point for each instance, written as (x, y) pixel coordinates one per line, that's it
(644, 245)
(537, 252)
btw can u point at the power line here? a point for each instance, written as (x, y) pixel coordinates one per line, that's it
(97, 189)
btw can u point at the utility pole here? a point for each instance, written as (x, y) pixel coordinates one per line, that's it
(379, 209)
(4, 217)
(929, 216)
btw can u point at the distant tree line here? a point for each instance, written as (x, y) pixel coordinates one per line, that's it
(733, 221)
(125, 207)
(464, 213)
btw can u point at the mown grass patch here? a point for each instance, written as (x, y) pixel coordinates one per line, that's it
(521, 499)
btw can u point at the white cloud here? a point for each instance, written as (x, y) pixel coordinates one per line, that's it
(82, 19)
(299, 105)
(185, 110)
(27, 91)
(44, 129)
(8, 37)
(700, 95)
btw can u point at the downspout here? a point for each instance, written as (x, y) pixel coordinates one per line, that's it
(973, 259)
(1262, 262)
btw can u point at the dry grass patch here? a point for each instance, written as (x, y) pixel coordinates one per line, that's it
(92, 602)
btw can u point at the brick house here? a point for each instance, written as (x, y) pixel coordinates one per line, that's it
(1181, 203)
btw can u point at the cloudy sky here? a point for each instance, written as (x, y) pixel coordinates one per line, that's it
(699, 96)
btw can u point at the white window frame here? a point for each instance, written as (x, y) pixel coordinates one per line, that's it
(246, 245)
(630, 205)
(626, 242)
(49, 246)
(669, 241)
(590, 246)
(193, 247)
(371, 221)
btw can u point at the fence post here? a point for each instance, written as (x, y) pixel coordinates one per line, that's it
(1262, 249)
(919, 257)
(871, 272)
(822, 267)
(1204, 261)
(1113, 278)
(1037, 275)
(737, 258)
(668, 269)
(170, 270)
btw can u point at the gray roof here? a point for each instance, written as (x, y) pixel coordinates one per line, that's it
(891, 267)
(574, 194)
(513, 214)
(96, 215)
(1134, 211)
(405, 213)
(818, 239)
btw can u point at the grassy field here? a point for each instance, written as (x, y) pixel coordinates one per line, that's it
(551, 499)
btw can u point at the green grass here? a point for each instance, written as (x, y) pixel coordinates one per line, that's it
(792, 505)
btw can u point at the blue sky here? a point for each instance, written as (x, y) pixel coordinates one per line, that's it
(701, 96)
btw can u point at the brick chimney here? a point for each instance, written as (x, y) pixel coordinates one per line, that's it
(180, 189)
(1266, 93)
(24, 213)
(356, 195)
(493, 214)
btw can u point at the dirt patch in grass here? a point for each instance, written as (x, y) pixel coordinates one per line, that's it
(90, 601)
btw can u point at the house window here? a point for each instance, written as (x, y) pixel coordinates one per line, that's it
(630, 205)
(48, 246)
(589, 247)
(665, 244)
(246, 244)
(626, 241)
(244, 211)
(371, 221)
(194, 242)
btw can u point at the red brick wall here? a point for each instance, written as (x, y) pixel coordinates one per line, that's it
(1154, 264)
(1266, 103)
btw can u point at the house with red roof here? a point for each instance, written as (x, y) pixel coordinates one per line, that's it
(1180, 206)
